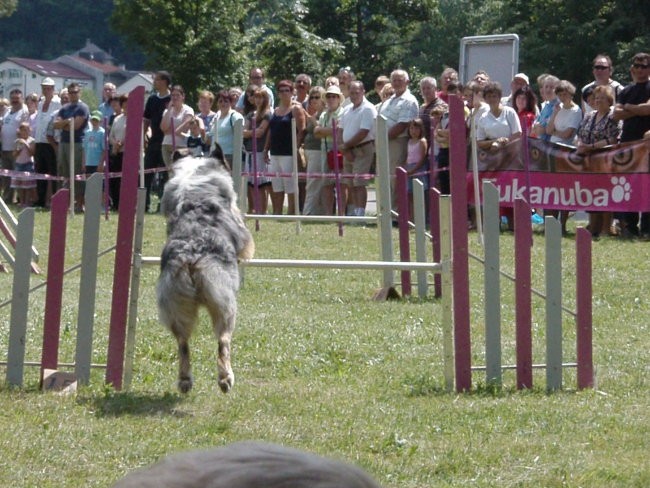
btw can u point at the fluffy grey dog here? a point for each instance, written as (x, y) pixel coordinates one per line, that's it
(206, 237)
(249, 465)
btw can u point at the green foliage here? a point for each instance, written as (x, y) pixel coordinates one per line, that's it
(7, 7)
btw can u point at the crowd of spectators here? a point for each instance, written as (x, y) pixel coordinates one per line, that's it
(37, 131)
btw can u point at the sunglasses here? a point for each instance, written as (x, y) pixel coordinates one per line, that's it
(600, 67)
(640, 66)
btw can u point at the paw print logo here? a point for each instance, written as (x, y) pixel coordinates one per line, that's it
(622, 189)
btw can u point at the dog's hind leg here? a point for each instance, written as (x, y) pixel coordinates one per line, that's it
(223, 329)
(182, 333)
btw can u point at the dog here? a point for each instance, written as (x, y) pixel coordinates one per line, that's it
(206, 239)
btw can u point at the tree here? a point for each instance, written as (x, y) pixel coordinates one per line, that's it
(7, 7)
(190, 39)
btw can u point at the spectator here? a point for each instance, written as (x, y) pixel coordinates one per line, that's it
(153, 114)
(550, 100)
(15, 115)
(107, 94)
(31, 101)
(566, 117)
(175, 124)
(416, 158)
(358, 137)
(24, 156)
(379, 84)
(597, 130)
(206, 102)
(332, 112)
(345, 76)
(279, 148)
(94, 144)
(524, 102)
(633, 109)
(386, 92)
(430, 101)
(315, 158)
(481, 77)
(255, 77)
(222, 131)
(261, 115)
(116, 138)
(399, 110)
(234, 93)
(602, 71)
(78, 112)
(45, 151)
(520, 80)
(447, 76)
(303, 85)
(196, 140)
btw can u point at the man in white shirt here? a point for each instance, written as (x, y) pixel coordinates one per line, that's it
(255, 77)
(358, 134)
(16, 114)
(399, 110)
(44, 153)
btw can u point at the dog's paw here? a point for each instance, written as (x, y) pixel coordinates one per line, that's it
(226, 383)
(185, 384)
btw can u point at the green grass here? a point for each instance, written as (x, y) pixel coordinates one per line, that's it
(320, 366)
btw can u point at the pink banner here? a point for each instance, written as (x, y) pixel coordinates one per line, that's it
(616, 178)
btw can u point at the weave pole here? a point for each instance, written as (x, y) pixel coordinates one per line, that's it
(124, 243)
(461, 305)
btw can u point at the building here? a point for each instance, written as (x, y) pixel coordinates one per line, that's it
(90, 67)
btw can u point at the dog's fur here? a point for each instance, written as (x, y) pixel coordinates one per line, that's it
(206, 237)
(249, 465)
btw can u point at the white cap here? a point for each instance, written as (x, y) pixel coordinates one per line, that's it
(522, 76)
(47, 82)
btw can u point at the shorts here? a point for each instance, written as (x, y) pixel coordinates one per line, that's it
(284, 165)
(363, 159)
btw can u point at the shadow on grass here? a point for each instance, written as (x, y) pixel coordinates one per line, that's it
(116, 404)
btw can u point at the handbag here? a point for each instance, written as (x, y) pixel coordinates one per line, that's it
(334, 162)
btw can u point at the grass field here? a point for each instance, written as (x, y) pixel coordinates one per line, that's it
(320, 366)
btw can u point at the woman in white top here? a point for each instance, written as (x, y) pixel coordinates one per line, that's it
(567, 115)
(178, 116)
(499, 125)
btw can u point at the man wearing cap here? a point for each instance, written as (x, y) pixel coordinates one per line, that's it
(72, 120)
(399, 111)
(519, 81)
(16, 114)
(45, 153)
(358, 135)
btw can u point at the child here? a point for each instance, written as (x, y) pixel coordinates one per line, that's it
(94, 145)
(24, 155)
(196, 140)
(416, 158)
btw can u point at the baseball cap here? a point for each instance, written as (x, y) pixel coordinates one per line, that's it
(522, 76)
(96, 115)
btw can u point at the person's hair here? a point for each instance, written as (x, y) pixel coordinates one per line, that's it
(428, 80)
(448, 71)
(531, 99)
(223, 95)
(587, 92)
(644, 57)
(551, 79)
(16, 91)
(266, 104)
(284, 84)
(492, 87)
(179, 89)
(124, 97)
(382, 80)
(400, 72)
(115, 98)
(454, 87)
(419, 124)
(317, 90)
(475, 87)
(483, 73)
(304, 75)
(566, 86)
(603, 56)
(358, 83)
(32, 97)
(24, 125)
(607, 91)
(165, 76)
(208, 95)
(331, 80)
(349, 71)
(249, 465)
(73, 86)
(541, 78)
(250, 91)
(234, 93)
